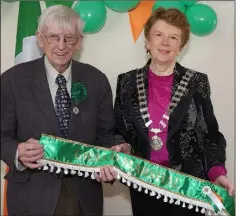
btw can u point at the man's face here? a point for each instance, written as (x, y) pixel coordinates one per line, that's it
(58, 44)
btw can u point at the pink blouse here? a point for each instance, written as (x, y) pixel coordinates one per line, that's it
(159, 96)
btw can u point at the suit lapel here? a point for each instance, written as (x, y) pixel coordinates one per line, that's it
(136, 114)
(43, 97)
(76, 107)
(174, 120)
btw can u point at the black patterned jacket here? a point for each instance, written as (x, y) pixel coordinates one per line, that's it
(194, 142)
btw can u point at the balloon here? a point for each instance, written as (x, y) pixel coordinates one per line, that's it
(202, 19)
(65, 3)
(121, 6)
(188, 3)
(169, 4)
(93, 13)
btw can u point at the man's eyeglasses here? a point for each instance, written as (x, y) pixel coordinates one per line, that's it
(55, 39)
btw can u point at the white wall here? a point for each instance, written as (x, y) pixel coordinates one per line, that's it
(113, 51)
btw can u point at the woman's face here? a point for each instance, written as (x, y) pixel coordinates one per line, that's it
(164, 42)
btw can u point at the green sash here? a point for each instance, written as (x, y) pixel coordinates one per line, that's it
(157, 181)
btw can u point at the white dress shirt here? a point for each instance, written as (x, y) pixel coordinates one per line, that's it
(52, 74)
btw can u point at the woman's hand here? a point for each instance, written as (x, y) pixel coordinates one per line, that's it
(123, 147)
(225, 183)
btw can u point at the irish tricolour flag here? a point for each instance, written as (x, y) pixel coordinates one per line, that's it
(26, 44)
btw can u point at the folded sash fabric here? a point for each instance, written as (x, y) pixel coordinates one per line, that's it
(70, 157)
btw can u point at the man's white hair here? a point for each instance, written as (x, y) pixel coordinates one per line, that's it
(64, 17)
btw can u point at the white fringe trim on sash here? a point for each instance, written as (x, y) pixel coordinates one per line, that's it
(172, 198)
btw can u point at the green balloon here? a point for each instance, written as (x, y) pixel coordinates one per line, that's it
(65, 3)
(188, 3)
(202, 19)
(121, 6)
(169, 4)
(93, 13)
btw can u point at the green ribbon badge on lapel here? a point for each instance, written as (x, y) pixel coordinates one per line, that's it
(78, 92)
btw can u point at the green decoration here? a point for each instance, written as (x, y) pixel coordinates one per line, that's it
(169, 4)
(65, 3)
(202, 19)
(27, 24)
(93, 13)
(121, 6)
(78, 92)
(188, 3)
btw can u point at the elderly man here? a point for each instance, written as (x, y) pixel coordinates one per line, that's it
(36, 99)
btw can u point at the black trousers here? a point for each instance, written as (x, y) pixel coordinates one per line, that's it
(143, 205)
(68, 204)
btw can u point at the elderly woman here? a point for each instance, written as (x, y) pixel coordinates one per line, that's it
(164, 111)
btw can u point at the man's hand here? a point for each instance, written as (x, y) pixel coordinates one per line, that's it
(29, 152)
(225, 183)
(107, 173)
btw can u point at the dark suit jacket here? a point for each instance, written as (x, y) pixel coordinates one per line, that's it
(27, 111)
(194, 142)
